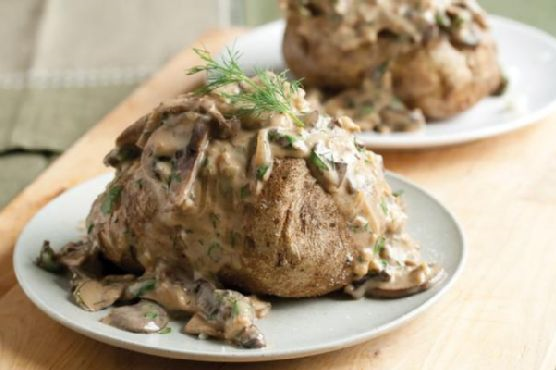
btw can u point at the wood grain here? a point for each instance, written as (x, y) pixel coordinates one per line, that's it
(501, 313)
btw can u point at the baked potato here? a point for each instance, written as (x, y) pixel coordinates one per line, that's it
(238, 185)
(441, 55)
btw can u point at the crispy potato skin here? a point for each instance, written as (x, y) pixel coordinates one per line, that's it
(319, 67)
(299, 245)
(442, 80)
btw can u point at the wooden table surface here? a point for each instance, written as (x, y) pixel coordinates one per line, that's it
(501, 313)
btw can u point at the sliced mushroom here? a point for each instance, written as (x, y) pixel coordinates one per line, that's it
(156, 118)
(405, 284)
(226, 314)
(74, 255)
(142, 317)
(94, 295)
(262, 161)
(188, 164)
(126, 148)
(198, 325)
(221, 127)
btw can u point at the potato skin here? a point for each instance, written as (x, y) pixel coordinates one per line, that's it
(299, 245)
(320, 64)
(443, 80)
(437, 77)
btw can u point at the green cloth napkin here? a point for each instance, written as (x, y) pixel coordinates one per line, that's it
(64, 64)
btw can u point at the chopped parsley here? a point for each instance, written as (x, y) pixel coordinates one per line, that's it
(443, 20)
(398, 193)
(147, 286)
(379, 245)
(236, 309)
(262, 170)
(110, 199)
(318, 162)
(284, 140)
(151, 315)
(244, 192)
(166, 330)
(384, 206)
(48, 259)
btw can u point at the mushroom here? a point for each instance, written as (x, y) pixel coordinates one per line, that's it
(143, 317)
(188, 163)
(406, 283)
(227, 314)
(94, 295)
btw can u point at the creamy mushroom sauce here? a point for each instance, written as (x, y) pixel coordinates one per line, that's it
(373, 106)
(390, 28)
(187, 198)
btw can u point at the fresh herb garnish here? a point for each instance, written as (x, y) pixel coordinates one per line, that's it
(147, 286)
(317, 161)
(236, 309)
(166, 330)
(90, 228)
(379, 245)
(174, 177)
(443, 20)
(112, 197)
(48, 259)
(244, 192)
(398, 193)
(262, 170)
(360, 228)
(366, 110)
(285, 141)
(384, 206)
(265, 93)
(151, 315)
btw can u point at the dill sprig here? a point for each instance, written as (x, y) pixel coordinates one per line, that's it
(267, 92)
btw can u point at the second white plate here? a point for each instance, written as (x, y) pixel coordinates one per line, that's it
(527, 55)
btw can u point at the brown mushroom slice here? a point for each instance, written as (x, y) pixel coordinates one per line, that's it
(229, 314)
(188, 164)
(126, 148)
(261, 162)
(143, 317)
(173, 296)
(197, 325)
(405, 284)
(93, 295)
(74, 255)
(156, 118)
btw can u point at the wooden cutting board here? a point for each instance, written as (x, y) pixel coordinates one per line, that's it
(501, 314)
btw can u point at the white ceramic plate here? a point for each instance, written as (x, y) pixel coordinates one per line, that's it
(527, 55)
(294, 327)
